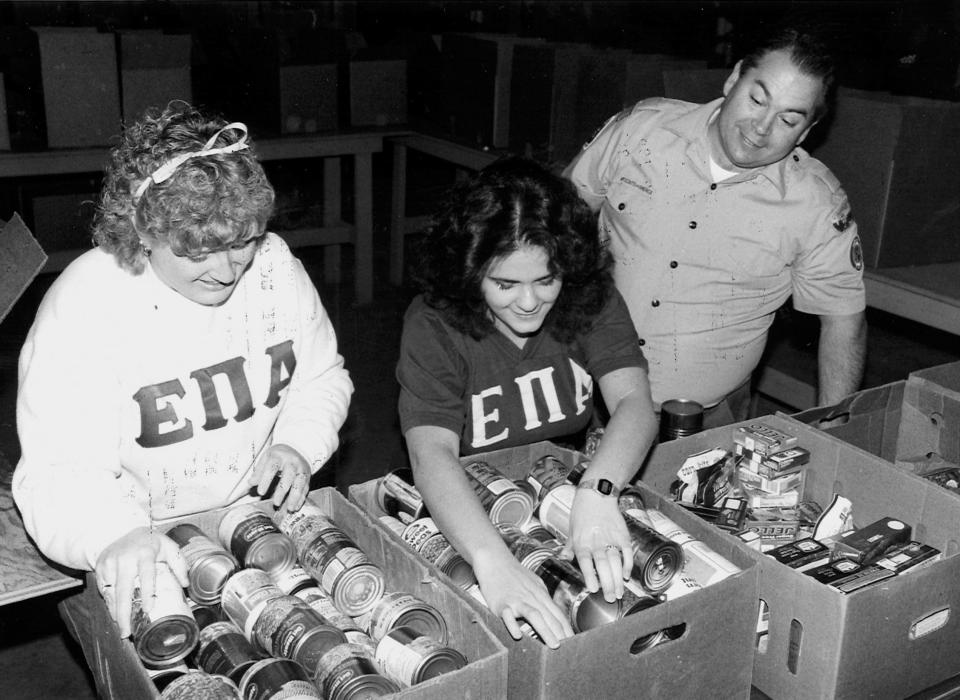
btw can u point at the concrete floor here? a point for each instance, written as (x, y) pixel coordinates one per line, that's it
(38, 660)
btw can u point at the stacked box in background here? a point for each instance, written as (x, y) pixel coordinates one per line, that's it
(883, 149)
(81, 91)
(378, 92)
(711, 659)
(885, 640)
(154, 69)
(484, 676)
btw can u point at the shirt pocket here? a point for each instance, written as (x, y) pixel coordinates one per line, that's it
(753, 260)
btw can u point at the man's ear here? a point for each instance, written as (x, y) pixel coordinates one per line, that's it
(732, 79)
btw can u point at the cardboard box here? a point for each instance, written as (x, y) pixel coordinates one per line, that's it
(946, 378)
(889, 154)
(484, 676)
(476, 74)
(81, 92)
(711, 659)
(21, 259)
(154, 69)
(23, 88)
(378, 92)
(885, 640)
(543, 95)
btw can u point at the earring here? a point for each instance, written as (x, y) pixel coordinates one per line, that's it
(145, 250)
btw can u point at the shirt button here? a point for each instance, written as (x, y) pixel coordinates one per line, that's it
(692, 224)
(796, 158)
(673, 264)
(621, 206)
(713, 186)
(641, 342)
(655, 303)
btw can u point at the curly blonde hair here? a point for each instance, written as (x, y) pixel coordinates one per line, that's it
(209, 203)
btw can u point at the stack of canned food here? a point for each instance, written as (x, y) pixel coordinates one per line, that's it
(533, 517)
(285, 607)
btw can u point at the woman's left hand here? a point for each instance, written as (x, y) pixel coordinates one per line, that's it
(601, 543)
(294, 483)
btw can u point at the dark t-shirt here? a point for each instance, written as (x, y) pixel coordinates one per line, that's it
(492, 393)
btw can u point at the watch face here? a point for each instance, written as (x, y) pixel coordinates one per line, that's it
(605, 486)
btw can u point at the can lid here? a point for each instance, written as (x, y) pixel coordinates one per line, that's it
(595, 611)
(358, 589)
(168, 641)
(208, 576)
(512, 507)
(425, 619)
(457, 568)
(439, 662)
(315, 643)
(274, 552)
(366, 686)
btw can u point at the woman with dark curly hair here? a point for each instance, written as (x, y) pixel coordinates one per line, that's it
(181, 363)
(517, 319)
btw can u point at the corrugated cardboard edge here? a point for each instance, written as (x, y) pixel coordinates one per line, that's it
(21, 259)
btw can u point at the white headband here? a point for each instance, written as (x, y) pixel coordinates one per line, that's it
(167, 169)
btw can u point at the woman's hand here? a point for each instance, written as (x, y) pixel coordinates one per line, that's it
(294, 483)
(131, 562)
(512, 591)
(601, 543)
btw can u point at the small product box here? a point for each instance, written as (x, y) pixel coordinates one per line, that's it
(484, 675)
(863, 637)
(801, 555)
(868, 543)
(711, 657)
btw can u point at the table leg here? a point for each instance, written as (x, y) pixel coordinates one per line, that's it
(331, 217)
(398, 213)
(363, 223)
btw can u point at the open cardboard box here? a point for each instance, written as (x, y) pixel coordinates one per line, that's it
(890, 639)
(484, 676)
(712, 658)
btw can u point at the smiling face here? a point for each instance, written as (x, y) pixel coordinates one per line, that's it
(209, 278)
(768, 110)
(520, 290)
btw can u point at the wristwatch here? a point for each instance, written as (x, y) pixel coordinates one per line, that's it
(602, 486)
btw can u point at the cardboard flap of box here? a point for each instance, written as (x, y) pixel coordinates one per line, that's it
(945, 377)
(21, 259)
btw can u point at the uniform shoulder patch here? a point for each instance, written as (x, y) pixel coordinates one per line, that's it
(856, 254)
(843, 218)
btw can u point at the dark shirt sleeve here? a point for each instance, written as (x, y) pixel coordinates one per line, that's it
(612, 342)
(431, 372)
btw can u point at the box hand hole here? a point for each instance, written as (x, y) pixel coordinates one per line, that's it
(936, 418)
(648, 641)
(794, 646)
(929, 623)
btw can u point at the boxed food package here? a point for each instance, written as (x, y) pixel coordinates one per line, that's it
(885, 639)
(484, 675)
(711, 658)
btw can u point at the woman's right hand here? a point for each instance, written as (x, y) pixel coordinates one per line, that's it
(131, 562)
(512, 591)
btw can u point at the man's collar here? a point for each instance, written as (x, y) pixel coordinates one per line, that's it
(692, 127)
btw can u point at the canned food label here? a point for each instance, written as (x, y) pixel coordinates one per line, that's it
(555, 511)
(402, 659)
(249, 531)
(418, 531)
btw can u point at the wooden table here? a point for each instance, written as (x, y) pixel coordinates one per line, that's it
(360, 146)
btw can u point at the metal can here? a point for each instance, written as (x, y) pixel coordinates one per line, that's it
(273, 679)
(255, 540)
(592, 441)
(456, 567)
(342, 568)
(554, 512)
(208, 564)
(289, 628)
(398, 496)
(167, 634)
(294, 579)
(162, 677)
(527, 550)
(547, 472)
(535, 529)
(647, 641)
(197, 685)
(425, 538)
(656, 559)
(223, 650)
(584, 609)
(320, 601)
(504, 501)
(412, 657)
(399, 609)
(349, 672)
(244, 596)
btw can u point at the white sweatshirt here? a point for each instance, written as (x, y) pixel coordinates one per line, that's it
(136, 405)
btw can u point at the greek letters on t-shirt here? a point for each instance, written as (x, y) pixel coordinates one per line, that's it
(161, 424)
(533, 400)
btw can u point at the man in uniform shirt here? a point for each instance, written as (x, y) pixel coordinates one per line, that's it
(715, 217)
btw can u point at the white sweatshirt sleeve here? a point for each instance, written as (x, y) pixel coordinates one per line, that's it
(320, 389)
(69, 485)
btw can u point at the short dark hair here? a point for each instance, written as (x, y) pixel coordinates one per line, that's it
(810, 52)
(511, 203)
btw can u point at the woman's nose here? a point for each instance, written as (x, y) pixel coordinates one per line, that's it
(528, 298)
